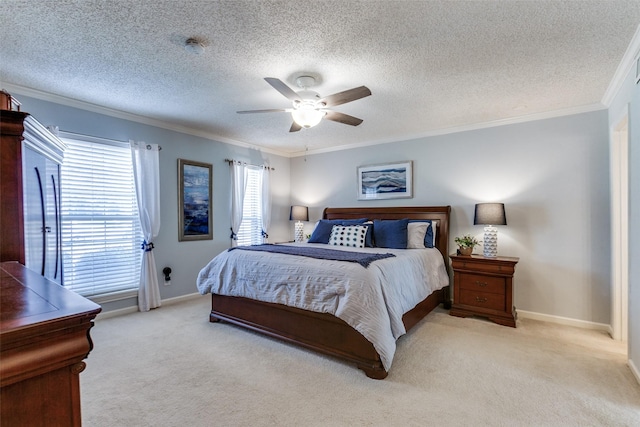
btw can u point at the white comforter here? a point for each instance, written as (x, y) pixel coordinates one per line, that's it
(372, 300)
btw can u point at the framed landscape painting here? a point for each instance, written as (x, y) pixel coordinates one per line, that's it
(195, 185)
(386, 181)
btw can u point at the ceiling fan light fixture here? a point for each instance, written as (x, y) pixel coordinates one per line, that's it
(308, 108)
(307, 116)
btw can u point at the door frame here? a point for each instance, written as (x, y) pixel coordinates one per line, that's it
(619, 181)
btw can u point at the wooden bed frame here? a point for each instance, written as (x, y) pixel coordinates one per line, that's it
(326, 333)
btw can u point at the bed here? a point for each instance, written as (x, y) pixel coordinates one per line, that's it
(325, 329)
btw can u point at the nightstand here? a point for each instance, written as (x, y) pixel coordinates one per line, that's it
(484, 287)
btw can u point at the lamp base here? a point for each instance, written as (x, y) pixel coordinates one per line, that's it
(299, 235)
(490, 242)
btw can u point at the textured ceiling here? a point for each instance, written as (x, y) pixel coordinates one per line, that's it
(431, 65)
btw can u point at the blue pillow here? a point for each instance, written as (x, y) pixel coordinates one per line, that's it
(322, 232)
(368, 238)
(428, 237)
(390, 233)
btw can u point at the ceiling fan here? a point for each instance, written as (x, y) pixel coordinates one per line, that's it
(308, 108)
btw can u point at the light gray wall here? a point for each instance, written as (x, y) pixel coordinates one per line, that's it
(185, 258)
(552, 175)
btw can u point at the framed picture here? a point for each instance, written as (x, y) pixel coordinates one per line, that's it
(386, 181)
(195, 185)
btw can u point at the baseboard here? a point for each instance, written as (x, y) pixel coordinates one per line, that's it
(134, 309)
(521, 314)
(634, 370)
(565, 321)
(115, 313)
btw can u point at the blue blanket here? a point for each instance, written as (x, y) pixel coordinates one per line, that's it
(362, 258)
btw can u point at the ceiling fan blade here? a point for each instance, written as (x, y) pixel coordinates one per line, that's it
(346, 96)
(342, 118)
(283, 88)
(272, 110)
(295, 127)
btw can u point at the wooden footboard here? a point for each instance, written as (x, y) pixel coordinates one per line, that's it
(320, 332)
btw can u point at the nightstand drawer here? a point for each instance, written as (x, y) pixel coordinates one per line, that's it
(486, 265)
(478, 282)
(483, 299)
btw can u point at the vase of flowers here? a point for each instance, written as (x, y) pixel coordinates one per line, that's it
(466, 244)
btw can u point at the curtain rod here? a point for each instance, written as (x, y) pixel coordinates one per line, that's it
(245, 163)
(74, 135)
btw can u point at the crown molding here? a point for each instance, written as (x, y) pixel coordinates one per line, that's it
(45, 96)
(458, 129)
(69, 102)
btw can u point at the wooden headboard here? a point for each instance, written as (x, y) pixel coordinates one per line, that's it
(438, 214)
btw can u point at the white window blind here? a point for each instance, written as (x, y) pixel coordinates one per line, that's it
(101, 233)
(250, 232)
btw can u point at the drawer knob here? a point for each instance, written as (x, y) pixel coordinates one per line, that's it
(478, 299)
(482, 284)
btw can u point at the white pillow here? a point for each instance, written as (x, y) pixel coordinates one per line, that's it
(348, 235)
(415, 234)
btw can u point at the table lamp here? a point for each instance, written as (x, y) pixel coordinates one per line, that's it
(490, 214)
(299, 214)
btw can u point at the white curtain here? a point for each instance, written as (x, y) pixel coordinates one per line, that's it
(238, 188)
(146, 171)
(266, 202)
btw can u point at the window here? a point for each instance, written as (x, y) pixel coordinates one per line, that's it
(250, 232)
(101, 233)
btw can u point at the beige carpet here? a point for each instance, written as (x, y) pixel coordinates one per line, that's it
(171, 367)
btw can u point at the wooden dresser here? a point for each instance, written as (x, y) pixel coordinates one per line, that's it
(484, 287)
(44, 337)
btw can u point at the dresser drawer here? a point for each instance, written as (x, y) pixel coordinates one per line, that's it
(480, 283)
(483, 299)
